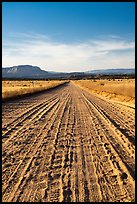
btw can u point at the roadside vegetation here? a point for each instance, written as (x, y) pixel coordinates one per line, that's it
(18, 88)
(119, 89)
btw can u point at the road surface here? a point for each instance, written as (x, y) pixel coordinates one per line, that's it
(67, 145)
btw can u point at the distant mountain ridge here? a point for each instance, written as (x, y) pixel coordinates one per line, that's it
(34, 72)
(112, 71)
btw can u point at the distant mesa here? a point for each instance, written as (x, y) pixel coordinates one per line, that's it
(23, 71)
(34, 72)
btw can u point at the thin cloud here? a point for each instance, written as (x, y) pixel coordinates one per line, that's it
(29, 35)
(40, 50)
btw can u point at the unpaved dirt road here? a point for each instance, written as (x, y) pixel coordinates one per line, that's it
(67, 145)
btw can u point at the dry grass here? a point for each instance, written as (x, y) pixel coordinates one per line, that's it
(122, 89)
(16, 88)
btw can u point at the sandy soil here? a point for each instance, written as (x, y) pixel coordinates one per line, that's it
(67, 145)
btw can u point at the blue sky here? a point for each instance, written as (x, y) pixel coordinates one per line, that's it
(68, 36)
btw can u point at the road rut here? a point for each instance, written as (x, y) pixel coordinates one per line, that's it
(67, 145)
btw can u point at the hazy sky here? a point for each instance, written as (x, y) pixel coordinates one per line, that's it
(68, 36)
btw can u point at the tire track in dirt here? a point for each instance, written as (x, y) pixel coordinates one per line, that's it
(55, 163)
(14, 129)
(16, 108)
(122, 174)
(114, 169)
(65, 147)
(20, 134)
(53, 141)
(86, 175)
(31, 151)
(118, 118)
(29, 108)
(117, 143)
